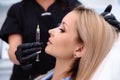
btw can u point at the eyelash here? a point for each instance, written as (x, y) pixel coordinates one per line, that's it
(62, 30)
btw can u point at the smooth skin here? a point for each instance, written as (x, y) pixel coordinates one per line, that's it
(63, 44)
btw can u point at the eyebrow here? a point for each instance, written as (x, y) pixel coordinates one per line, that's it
(64, 24)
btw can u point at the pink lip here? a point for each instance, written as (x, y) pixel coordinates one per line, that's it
(49, 42)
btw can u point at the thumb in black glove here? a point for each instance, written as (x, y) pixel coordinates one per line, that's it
(110, 18)
(26, 54)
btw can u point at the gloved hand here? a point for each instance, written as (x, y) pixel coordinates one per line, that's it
(107, 10)
(26, 54)
(110, 18)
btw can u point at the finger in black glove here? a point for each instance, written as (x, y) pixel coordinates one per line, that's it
(26, 54)
(107, 10)
(110, 18)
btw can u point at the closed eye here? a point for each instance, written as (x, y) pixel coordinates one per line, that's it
(62, 30)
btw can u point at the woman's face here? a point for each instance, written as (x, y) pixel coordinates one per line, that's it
(63, 39)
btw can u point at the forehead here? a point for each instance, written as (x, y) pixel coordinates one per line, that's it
(71, 16)
(71, 19)
(71, 23)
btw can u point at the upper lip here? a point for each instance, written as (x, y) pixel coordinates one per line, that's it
(49, 41)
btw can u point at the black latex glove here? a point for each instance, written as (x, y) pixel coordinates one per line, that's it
(110, 18)
(107, 10)
(26, 54)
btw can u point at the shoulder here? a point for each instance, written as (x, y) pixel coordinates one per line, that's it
(39, 77)
(15, 8)
(20, 8)
(68, 4)
(74, 3)
(17, 5)
(21, 5)
(46, 76)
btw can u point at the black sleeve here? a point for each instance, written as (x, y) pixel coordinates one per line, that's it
(74, 3)
(11, 24)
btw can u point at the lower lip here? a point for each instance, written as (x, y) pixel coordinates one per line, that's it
(48, 42)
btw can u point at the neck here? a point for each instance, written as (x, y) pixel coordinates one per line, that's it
(45, 3)
(61, 69)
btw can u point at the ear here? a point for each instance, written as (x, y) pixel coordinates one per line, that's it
(79, 51)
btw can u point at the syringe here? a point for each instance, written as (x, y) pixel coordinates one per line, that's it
(38, 40)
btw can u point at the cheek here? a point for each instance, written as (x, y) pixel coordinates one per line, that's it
(61, 49)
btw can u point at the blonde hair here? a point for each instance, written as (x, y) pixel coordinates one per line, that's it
(98, 37)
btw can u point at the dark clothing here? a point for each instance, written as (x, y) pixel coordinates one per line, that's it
(23, 18)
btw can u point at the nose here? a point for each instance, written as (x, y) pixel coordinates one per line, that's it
(51, 31)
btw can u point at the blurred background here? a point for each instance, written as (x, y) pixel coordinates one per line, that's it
(6, 64)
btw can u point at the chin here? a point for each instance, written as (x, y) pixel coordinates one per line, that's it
(47, 50)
